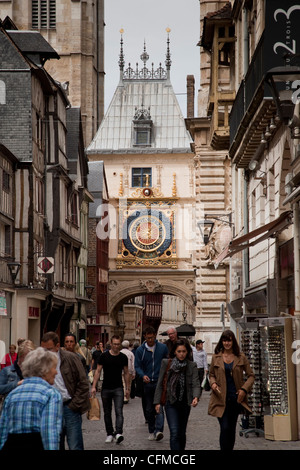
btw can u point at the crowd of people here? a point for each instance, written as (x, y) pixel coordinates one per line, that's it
(45, 390)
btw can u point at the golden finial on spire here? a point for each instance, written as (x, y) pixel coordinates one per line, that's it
(121, 56)
(147, 180)
(174, 189)
(121, 192)
(168, 55)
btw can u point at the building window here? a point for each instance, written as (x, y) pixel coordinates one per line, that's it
(2, 92)
(142, 128)
(43, 14)
(141, 177)
(142, 137)
(74, 209)
(39, 196)
(5, 181)
(5, 240)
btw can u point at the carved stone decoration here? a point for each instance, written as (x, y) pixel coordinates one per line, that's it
(112, 285)
(151, 285)
(190, 284)
(219, 239)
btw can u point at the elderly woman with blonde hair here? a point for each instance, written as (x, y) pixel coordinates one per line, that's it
(32, 413)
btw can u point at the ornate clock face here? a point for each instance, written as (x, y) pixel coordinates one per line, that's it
(147, 232)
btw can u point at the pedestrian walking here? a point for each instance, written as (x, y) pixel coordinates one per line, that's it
(86, 354)
(173, 337)
(148, 358)
(12, 376)
(71, 345)
(200, 357)
(10, 357)
(95, 358)
(31, 419)
(71, 381)
(131, 370)
(182, 392)
(229, 388)
(113, 364)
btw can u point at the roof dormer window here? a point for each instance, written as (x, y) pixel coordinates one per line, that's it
(142, 128)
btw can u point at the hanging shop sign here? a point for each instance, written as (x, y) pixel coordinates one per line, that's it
(45, 265)
(281, 39)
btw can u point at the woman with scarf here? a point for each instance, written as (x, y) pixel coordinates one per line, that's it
(183, 391)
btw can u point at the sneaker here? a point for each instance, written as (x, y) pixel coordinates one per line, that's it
(151, 437)
(159, 435)
(109, 439)
(119, 438)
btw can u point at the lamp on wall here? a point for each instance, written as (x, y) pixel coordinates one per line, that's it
(89, 291)
(14, 269)
(206, 227)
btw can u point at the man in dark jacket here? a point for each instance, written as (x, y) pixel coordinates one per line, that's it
(71, 381)
(147, 364)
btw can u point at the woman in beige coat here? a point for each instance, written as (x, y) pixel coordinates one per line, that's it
(229, 387)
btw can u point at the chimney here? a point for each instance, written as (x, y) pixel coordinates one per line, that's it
(190, 85)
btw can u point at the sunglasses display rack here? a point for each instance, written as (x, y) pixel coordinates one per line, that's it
(250, 346)
(275, 364)
(278, 378)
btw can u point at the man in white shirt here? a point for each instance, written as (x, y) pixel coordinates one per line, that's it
(131, 368)
(200, 357)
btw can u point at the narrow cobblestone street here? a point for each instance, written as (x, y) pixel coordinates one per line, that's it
(202, 433)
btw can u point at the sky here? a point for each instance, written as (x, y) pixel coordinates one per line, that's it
(147, 20)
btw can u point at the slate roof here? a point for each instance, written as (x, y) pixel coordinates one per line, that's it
(116, 130)
(32, 43)
(95, 185)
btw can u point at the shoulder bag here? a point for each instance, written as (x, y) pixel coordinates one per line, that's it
(163, 397)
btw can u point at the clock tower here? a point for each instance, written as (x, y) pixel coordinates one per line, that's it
(149, 166)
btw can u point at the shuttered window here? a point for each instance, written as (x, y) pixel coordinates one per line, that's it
(43, 14)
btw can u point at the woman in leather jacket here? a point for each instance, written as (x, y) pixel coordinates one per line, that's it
(228, 399)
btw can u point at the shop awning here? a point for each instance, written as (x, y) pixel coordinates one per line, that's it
(256, 236)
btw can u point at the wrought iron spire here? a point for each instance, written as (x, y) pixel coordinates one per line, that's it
(145, 73)
(168, 61)
(121, 56)
(145, 56)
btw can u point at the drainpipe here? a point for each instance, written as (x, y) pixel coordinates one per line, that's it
(246, 40)
(246, 230)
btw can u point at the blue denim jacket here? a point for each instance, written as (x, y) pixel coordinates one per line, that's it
(9, 378)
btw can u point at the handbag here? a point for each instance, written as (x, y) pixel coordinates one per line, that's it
(94, 412)
(205, 383)
(91, 376)
(163, 397)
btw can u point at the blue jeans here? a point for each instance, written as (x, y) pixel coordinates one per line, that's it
(108, 397)
(177, 416)
(72, 429)
(155, 421)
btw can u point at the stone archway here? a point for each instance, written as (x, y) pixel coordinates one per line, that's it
(124, 285)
